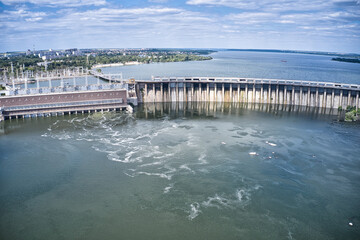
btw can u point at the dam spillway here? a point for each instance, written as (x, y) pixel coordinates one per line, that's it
(248, 90)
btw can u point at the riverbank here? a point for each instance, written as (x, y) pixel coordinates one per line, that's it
(116, 64)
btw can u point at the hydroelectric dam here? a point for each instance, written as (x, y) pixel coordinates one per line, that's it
(248, 90)
(119, 93)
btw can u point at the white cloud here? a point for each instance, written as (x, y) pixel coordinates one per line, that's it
(270, 5)
(158, 1)
(250, 20)
(21, 13)
(33, 19)
(65, 3)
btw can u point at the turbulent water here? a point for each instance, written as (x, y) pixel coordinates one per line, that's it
(197, 171)
(181, 172)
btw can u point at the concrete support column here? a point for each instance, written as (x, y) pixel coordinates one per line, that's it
(349, 98)
(308, 97)
(154, 95)
(192, 92)
(223, 92)
(261, 93)
(145, 93)
(177, 91)
(231, 92)
(246, 92)
(301, 93)
(238, 91)
(207, 92)
(200, 92)
(184, 91)
(317, 97)
(277, 95)
(285, 95)
(332, 98)
(161, 92)
(269, 94)
(169, 92)
(357, 101)
(254, 94)
(215, 91)
(293, 96)
(341, 98)
(324, 99)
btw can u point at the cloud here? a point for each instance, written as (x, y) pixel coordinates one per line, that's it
(65, 3)
(20, 13)
(151, 24)
(33, 19)
(158, 1)
(278, 6)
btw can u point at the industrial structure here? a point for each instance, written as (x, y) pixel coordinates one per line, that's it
(117, 94)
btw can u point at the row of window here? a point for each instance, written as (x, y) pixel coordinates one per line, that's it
(71, 104)
(59, 97)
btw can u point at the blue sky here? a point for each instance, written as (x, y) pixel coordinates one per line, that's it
(321, 25)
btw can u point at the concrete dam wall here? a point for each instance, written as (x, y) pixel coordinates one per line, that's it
(246, 90)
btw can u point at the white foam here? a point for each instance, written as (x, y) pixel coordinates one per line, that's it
(216, 201)
(129, 175)
(253, 153)
(186, 167)
(168, 188)
(242, 195)
(271, 144)
(161, 175)
(194, 211)
(192, 141)
(151, 164)
(289, 236)
(202, 159)
(165, 156)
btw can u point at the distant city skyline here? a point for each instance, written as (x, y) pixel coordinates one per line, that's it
(309, 25)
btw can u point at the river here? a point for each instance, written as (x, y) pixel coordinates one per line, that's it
(187, 171)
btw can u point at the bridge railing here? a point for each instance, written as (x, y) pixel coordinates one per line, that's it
(254, 81)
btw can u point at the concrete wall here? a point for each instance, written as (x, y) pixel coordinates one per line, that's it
(62, 98)
(325, 97)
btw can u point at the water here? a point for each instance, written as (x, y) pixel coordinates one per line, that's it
(185, 172)
(252, 65)
(199, 171)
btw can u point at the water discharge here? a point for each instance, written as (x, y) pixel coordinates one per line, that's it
(188, 171)
(278, 175)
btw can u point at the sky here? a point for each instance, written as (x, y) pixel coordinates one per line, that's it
(314, 25)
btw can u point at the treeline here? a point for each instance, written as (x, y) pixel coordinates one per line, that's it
(30, 62)
(76, 61)
(351, 60)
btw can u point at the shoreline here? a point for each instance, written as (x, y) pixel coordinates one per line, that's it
(115, 64)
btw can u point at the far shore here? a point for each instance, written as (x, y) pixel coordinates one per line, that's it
(116, 64)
